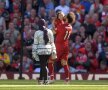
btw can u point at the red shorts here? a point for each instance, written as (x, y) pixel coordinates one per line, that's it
(62, 52)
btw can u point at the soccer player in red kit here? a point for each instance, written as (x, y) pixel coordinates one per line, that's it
(63, 31)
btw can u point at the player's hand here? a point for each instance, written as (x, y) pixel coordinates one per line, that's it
(54, 55)
(33, 55)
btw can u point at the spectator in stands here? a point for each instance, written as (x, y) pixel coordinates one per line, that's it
(15, 63)
(82, 33)
(94, 64)
(6, 40)
(2, 67)
(4, 57)
(42, 13)
(48, 5)
(102, 30)
(82, 63)
(90, 47)
(35, 5)
(27, 63)
(35, 25)
(51, 14)
(16, 10)
(13, 33)
(76, 26)
(63, 7)
(86, 4)
(28, 41)
(17, 45)
(104, 12)
(77, 7)
(95, 20)
(7, 5)
(11, 53)
(32, 15)
(28, 10)
(100, 41)
(27, 22)
(16, 3)
(103, 67)
(96, 7)
(76, 45)
(2, 20)
(40, 3)
(89, 25)
(17, 23)
(27, 28)
(105, 22)
(103, 55)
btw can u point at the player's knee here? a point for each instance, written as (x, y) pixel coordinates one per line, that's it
(63, 62)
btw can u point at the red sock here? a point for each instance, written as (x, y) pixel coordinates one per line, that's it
(51, 70)
(66, 70)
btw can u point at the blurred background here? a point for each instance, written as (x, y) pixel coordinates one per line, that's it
(89, 38)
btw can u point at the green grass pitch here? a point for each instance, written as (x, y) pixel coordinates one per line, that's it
(58, 85)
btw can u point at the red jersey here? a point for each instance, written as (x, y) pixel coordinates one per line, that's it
(63, 33)
(58, 22)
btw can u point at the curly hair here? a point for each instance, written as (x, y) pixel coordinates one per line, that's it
(71, 17)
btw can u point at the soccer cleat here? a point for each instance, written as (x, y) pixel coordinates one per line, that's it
(51, 79)
(67, 81)
(40, 82)
(46, 82)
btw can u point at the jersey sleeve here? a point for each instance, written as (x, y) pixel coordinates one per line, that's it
(54, 53)
(34, 47)
(52, 41)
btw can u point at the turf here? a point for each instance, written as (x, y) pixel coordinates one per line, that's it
(58, 85)
(59, 82)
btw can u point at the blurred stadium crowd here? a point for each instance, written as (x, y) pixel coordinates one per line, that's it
(88, 43)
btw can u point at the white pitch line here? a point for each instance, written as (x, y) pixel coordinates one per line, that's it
(53, 85)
